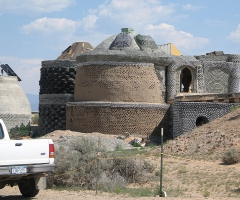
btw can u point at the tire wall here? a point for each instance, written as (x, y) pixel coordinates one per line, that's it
(185, 114)
(56, 89)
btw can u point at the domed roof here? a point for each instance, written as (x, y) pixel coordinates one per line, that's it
(128, 46)
(13, 99)
(128, 40)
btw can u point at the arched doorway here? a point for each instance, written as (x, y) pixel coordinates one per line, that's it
(201, 120)
(185, 80)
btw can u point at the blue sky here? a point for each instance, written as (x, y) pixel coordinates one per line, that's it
(35, 30)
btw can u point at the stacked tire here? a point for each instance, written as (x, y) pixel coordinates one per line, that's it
(57, 80)
(56, 89)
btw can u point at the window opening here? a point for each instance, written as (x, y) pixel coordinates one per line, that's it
(185, 80)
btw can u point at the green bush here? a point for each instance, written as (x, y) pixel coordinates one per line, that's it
(235, 107)
(20, 131)
(231, 157)
(76, 165)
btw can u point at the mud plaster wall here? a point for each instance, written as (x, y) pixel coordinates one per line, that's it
(185, 114)
(117, 118)
(119, 82)
(15, 108)
(13, 120)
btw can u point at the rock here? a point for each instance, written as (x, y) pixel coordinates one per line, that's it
(129, 139)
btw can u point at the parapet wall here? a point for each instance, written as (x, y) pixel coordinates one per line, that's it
(219, 58)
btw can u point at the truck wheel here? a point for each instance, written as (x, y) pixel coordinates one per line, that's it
(28, 188)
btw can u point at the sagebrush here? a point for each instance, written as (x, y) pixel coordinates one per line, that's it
(231, 157)
(77, 165)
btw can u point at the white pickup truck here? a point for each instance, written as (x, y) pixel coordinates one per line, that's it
(25, 162)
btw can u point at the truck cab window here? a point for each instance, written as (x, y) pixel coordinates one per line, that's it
(1, 132)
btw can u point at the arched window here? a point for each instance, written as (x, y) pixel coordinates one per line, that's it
(185, 80)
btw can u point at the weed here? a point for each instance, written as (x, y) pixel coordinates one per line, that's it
(34, 119)
(231, 157)
(206, 193)
(136, 145)
(175, 192)
(235, 107)
(133, 192)
(151, 145)
(182, 170)
(157, 173)
(118, 147)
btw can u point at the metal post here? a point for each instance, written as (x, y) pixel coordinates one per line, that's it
(97, 175)
(161, 165)
(98, 155)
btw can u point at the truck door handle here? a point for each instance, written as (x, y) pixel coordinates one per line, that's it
(18, 144)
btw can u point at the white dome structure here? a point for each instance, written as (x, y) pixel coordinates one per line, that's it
(15, 108)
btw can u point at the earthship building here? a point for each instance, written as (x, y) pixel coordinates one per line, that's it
(130, 84)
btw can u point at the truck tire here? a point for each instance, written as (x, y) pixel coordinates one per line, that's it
(28, 188)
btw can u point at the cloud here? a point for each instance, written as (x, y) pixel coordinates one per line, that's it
(26, 6)
(191, 7)
(235, 35)
(182, 40)
(135, 13)
(211, 22)
(51, 25)
(89, 21)
(59, 25)
(28, 70)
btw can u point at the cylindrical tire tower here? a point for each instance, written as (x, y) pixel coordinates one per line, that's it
(56, 88)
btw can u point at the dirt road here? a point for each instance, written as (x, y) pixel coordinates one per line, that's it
(13, 193)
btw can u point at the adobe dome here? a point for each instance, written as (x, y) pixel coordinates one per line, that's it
(15, 108)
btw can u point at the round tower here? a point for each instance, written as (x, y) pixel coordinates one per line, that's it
(120, 87)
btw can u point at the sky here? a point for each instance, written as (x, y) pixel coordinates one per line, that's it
(32, 31)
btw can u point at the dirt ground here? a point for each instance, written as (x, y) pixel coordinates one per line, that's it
(9, 193)
(192, 166)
